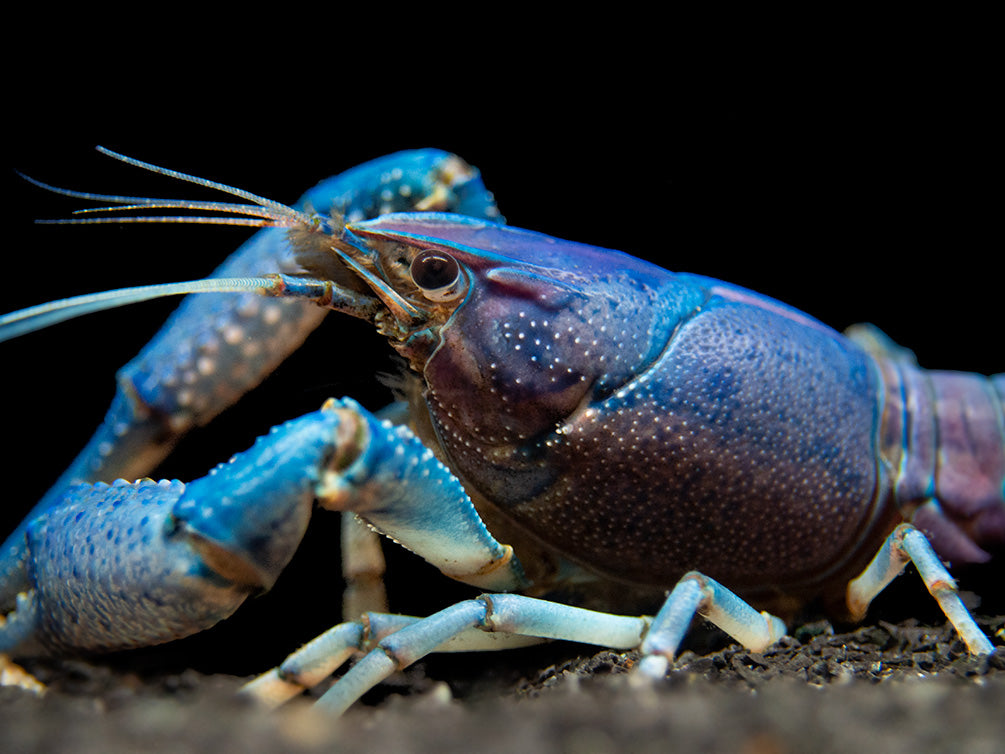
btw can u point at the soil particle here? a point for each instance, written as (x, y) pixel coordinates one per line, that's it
(892, 687)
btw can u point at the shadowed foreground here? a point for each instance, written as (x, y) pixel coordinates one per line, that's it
(895, 688)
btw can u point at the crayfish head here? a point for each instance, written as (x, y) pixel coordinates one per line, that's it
(528, 333)
(410, 286)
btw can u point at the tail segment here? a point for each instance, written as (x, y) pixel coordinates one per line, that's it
(943, 441)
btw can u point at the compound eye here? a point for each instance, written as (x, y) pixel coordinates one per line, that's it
(438, 275)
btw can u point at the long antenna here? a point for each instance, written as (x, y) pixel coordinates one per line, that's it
(39, 317)
(262, 212)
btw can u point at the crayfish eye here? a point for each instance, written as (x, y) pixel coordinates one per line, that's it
(437, 274)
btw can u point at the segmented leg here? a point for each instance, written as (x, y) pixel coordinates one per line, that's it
(15, 675)
(321, 657)
(695, 594)
(507, 614)
(362, 569)
(907, 544)
(408, 639)
(363, 563)
(505, 621)
(399, 488)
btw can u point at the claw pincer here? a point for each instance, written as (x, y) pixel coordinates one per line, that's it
(132, 564)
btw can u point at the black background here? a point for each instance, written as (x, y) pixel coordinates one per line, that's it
(844, 194)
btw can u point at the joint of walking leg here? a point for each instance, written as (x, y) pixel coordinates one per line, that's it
(489, 623)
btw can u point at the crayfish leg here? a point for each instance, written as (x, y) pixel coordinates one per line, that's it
(325, 654)
(392, 642)
(695, 594)
(362, 569)
(14, 675)
(907, 544)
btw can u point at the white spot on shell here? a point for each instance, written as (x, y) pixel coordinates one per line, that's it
(205, 365)
(233, 334)
(271, 314)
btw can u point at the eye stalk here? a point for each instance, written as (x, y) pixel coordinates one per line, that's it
(438, 275)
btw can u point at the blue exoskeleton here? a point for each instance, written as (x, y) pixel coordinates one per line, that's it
(572, 419)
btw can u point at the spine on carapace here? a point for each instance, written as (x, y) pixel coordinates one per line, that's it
(943, 440)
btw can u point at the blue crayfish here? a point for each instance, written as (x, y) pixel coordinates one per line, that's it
(572, 420)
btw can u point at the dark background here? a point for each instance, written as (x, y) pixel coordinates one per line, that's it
(842, 194)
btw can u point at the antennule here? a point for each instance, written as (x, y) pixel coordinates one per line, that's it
(255, 198)
(273, 213)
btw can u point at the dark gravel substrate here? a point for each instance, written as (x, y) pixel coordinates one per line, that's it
(885, 687)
